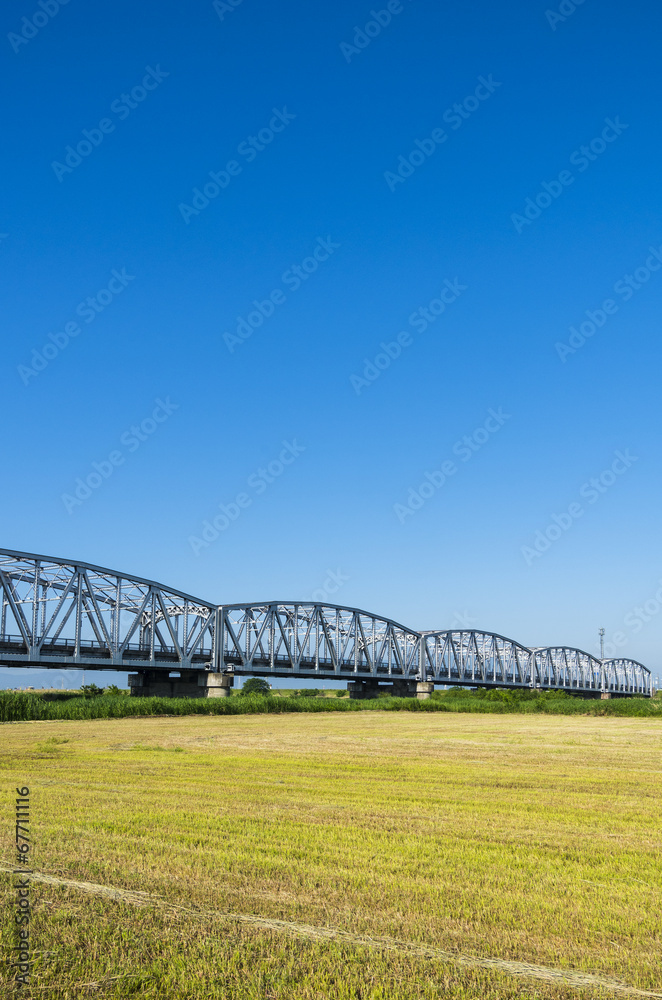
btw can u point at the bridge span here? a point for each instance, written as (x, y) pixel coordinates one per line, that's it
(62, 613)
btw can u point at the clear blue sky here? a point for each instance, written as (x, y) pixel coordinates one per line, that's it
(308, 115)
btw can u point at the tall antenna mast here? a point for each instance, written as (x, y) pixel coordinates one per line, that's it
(602, 643)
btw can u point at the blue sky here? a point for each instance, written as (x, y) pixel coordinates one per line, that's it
(395, 153)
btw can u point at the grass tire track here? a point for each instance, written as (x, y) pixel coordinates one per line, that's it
(565, 977)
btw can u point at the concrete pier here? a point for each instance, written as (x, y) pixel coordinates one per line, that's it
(189, 684)
(397, 688)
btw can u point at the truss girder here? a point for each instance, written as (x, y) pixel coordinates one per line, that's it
(316, 638)
(69, 612)
(59, 612)
(473, 657)
(626, 675)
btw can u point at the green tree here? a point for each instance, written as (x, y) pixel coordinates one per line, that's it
(256, 685)
(91, 691)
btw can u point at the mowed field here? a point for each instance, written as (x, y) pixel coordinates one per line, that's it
(362, 855)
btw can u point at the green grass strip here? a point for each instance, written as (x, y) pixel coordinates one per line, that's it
(23, 706)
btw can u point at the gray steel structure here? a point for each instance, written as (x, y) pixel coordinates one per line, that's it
(65, 613)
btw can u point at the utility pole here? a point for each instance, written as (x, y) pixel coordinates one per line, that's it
(602, 643)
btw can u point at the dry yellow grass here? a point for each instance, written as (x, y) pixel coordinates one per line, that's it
(529, 839)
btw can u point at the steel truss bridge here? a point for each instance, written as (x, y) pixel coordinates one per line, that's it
(64, 614)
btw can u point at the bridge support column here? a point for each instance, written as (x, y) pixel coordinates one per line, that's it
(189, 684)
(365, 689)
(371, 688)
(216, 685)
(413, 689)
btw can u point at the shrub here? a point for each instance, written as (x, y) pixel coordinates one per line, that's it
(256, 685)
(91, 691)
(114, 691)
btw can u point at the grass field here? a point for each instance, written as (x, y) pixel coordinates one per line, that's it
(350, 854)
